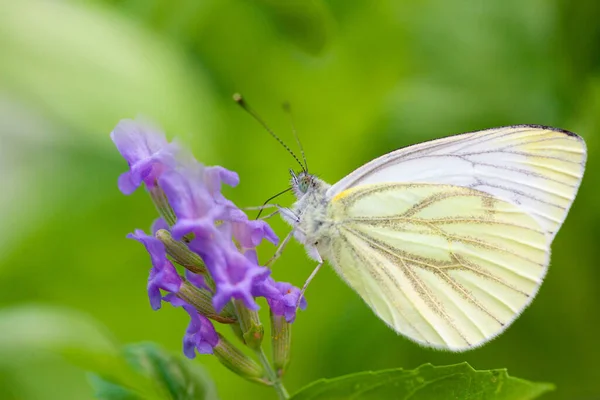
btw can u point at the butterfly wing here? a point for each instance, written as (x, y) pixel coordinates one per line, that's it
(447, 266)
(537, 168)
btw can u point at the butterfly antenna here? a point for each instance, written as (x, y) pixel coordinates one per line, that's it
(288, 109)
(240, 100)
(271, 198)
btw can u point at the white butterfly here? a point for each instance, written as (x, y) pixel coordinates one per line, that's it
(449, 240)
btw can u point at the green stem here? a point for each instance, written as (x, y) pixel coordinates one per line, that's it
(277, 384)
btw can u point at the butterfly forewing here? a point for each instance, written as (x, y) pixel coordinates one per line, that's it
(536, 168)
(447, 266)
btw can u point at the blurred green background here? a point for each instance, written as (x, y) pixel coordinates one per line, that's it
(363, 77)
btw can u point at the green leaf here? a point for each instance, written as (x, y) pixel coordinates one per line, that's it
(114, 378)
(182, 378)
(145, 371)
(458, 381)
(105, 390)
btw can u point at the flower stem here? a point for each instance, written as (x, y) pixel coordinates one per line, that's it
(277, 384)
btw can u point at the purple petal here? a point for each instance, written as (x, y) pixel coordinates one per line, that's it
(204, 347)
(158, 224)
(200, 334)
(251, 255)
(163, 274)
(214, 176)
(155, 247)
(189, 346)
(154, 296)
(126, 186)
(163, 277)
(251, 233)
(286, 304)
(146, 151)
(137, 141)
(186, 194)
(269, 233)
(290, 315)
(208, 337)
(267, 289)
(236, 215)
(193, 205)
(200, 227)
(174, 300)
(196, 280)
(167, 278)
(303, 303)
(238, 280)
(226, 292)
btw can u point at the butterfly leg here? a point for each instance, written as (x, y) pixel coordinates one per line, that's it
(286, 213)
(310, 278)
(286, 240)
(270, 215)
(260, 207)
(280, 248)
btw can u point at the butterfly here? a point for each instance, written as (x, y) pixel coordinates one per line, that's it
(447, 241)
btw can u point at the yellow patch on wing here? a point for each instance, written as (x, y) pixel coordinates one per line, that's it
(341, 195)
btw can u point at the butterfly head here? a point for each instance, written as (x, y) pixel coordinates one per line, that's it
(301, 182)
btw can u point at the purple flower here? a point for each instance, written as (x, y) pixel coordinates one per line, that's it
(163, 274)
(268, 289)
(215, 176)
(199, 206)
(145, 149)
(192, 203)
(234, 275)
(286, 304)
(209, 224)
(200, 334)
(249, 234)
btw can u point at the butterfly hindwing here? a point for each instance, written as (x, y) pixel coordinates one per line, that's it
(447, 266)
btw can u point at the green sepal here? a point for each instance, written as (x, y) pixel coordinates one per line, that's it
(181, 254)
(162, 205)
(238, 362)
(281, 342)
(237, 330)
(252, 330)
(201, 300)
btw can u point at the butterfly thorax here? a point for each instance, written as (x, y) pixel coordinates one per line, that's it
(309, 216)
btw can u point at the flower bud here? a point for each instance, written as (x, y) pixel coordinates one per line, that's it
(180, 253)
(201, 300)
(238, 362)
(281, 340)
(252, 329)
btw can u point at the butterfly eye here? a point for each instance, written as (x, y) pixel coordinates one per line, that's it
(303, 184)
